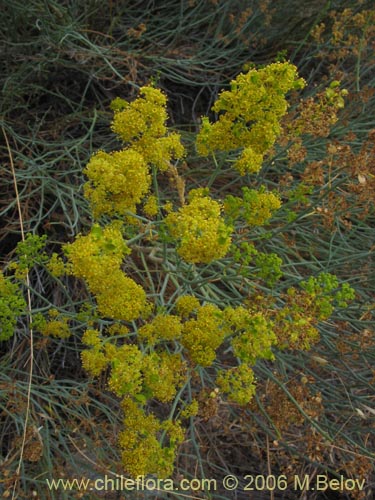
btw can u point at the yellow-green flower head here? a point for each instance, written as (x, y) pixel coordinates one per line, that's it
(186, 305)
(263, 135)
(164, 374)
(139, 440)
(160, 151)
(151, 206)
(202, 336)
(216, 137)
(249, 161)
(250, 112)
(97, 258)
(259, 209)
(126, 375)
(237, 318)
(174, 430)
(162, 327)
(145, 114)
(142, 123)
(201, 233)
(237, 383)
(94, 361)
(101, 250)
(190, 410)
(256, 207)
(56, 265)
(117, 329)
(254, 337)
(12, 305)
(120, 297)
(142, 453)
(92, 338)
(117, 182)
(118, 104)
(56, 328)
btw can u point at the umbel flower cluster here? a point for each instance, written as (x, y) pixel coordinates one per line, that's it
(199, 228)
(250, 115)
(119, 180)
(96, 258)
(150, 351)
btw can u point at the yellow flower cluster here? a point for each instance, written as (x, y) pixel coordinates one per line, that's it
(253, 334)
(237, 383)
(97, 259)
(206, 327)
(58, 328)
(249, 162)
(142, 122)
(160, 151)
(151, 206)
(186, 305)
(56, 265)
(259, 206)
(203, 335)
(94, 360)
(191, 410)
(162, 327)
(29, 253)
(133, 372)
(200, 230)
(163, 374)
(142, 452)
(256, 207)
(144, 116)
(12, 305)
(126, 375)
(250, 115)
(117, 182)
(92, 338)
(118, 329)
(120, 297)
(55, 325)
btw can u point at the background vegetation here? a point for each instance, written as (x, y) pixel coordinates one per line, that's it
(61, 65)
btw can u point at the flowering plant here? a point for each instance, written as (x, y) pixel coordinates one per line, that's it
(148, 348)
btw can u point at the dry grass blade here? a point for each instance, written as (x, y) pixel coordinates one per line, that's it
(30, 319)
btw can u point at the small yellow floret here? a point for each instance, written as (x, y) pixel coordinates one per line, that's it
(190, 410)
(249, 161)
